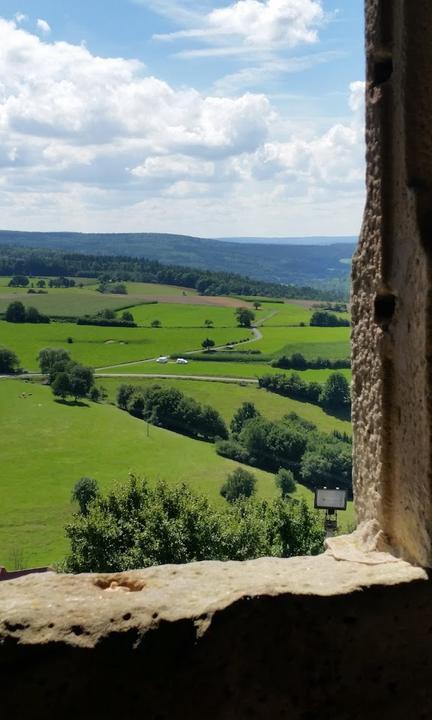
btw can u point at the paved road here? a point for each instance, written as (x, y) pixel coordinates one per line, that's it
(257, 335)
(208, 378)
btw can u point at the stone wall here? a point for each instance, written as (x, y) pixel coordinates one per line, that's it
(300, 639)
(391, 283)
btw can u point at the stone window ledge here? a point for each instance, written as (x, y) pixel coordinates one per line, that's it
(301, 639)
(81, 610)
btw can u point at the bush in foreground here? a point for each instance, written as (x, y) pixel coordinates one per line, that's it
(138, 525)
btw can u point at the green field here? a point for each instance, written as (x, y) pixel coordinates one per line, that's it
(220, 369)
(101, 346)
(76, 301)
(182, 315)
(331, 343)
(48, 446)
(228, 398)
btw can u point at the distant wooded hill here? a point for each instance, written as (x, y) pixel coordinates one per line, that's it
(317, 265)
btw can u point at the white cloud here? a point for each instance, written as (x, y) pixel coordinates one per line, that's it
(43, 26)
(95, 143)
(19, 18)
(259, 23)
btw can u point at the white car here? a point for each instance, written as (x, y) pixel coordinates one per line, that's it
(181, 361)
(162, 359)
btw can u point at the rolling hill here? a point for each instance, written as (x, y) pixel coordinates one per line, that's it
(314, 264)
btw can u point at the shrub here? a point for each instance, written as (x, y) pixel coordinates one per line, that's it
(233, 450)
(9, 362)
(285, 482)
(85, 490)
(239, 484)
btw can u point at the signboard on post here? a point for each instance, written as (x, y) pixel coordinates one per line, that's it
(330, 499)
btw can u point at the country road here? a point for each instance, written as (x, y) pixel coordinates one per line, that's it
(209, 378)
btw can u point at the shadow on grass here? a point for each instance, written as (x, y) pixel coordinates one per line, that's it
(72, 403)
(339, 413)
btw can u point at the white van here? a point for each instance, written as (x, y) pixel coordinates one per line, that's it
(181, 361)
(162, 359)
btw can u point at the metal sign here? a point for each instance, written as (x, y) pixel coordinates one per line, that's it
(330, 499)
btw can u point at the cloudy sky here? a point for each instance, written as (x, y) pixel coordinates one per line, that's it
(189, 116)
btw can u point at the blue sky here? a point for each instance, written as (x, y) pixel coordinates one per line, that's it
(222, 118)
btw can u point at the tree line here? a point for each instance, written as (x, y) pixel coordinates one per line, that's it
(297, 361)
(334, 394)
(28, 261)
(173, 410)
(316, 459)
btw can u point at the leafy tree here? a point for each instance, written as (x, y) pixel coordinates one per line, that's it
(15, 312)
(246, 412)
(336, 392)
(327, 462)
(85, 490)
(18, 281)
(156, 324)
(41, 284)
(207, 344)
(107, 314)
(119, 289)
(61, 386)
(233, 450)
(127, 316)
(139, 526)
(51, 358)
(32, 315)
(208, 323)
(285, 482)
(239, 484)
(124, 393)
(245, 317)
(256, 304)
(321, 318)
(9, 362)
(136, 404)
(81, 379)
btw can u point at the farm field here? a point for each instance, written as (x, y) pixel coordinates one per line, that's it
(64, 443)
(220, 369)
(327, 342)
(278, 314)
(100, 346)
(181, 315)
(228, 398)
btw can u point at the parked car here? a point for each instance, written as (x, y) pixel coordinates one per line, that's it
(181, 361)
(162, 359)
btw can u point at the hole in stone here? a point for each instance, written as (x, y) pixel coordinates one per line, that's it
(119, 582)
(77, 629)
(127, 616)
(382, 71)
(384, 306)
(155, 615)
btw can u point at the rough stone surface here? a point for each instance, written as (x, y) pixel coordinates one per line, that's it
(391, 283)
(270, 638)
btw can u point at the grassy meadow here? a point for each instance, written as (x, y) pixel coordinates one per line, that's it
(65, 442)
(175, 315)
(101, 346)
(86, 300)
(220, 369)
(228, 398)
